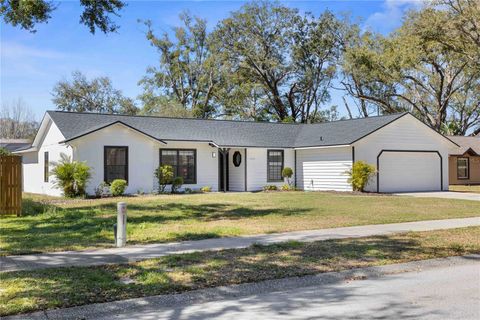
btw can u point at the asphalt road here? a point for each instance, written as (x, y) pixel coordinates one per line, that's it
(432, 289)
(442, 293)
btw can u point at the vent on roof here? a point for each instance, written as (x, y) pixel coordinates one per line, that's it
(321, 138)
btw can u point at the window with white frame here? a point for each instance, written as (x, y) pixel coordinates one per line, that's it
(462, 168)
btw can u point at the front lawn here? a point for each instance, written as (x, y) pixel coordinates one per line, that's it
(26, 291)
(53, 225)
(472, 189)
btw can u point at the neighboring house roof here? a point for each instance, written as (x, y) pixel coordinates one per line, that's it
(15, 144)
(226, 133)
(467, 144)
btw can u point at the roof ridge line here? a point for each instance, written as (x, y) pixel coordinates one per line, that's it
(226, 120)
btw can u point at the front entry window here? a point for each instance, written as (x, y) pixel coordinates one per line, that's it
(116, 163)
(183, 163)
(237, 159)
(462, 168)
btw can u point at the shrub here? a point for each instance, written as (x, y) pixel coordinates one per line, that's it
(164, 175)
(176, 184)
(206, 189)
(71, 176)
(103, 190)
(4, 152)
(287, 173)
(117, 187)
(270, 187)
(360, 175)
(286, 187)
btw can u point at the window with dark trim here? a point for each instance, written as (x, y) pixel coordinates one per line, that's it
(274, 165)
(115, 163)
(463, 171)
(183, 162)
(237, 159)
(45, 167)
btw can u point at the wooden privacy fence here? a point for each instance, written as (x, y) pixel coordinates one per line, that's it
(10, 185)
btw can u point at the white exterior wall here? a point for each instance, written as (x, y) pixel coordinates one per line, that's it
(143, 158)
(33, 162)
(207, 165)
(323, 169)
(141, 155)
(257, 167)
(406, 133)
(236, 181)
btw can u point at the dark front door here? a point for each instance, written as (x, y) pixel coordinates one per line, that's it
(222, 172)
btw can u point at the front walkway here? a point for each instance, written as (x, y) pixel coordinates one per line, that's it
(141, 252)
(443, 195)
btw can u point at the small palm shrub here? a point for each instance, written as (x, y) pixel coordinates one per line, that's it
(71, 176)
(360, 175)
(117, 187)
(164, 175)
(176, 184)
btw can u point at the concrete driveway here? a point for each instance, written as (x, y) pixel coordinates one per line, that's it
(443, 195)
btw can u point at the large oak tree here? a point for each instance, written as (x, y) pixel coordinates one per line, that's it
(289, 58)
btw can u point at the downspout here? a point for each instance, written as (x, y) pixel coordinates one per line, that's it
(295, 170)
(225, 164)
(246, 189)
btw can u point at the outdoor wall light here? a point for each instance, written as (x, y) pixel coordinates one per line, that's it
(214, 154)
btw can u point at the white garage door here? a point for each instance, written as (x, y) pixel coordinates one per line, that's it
(409, 171)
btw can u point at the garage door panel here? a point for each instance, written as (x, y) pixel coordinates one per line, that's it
(324, 169)
(409, 171)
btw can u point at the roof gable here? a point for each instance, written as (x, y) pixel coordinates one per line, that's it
(466, 144)
(103, 126)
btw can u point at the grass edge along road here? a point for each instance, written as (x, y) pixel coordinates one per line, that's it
(27, 291)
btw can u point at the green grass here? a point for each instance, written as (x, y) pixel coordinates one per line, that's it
(27, 291)
(56, 224)
(472, 188)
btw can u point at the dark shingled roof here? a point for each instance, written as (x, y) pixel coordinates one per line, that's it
(14, 146)
(224, 132)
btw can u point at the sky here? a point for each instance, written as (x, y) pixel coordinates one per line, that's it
(31, 63)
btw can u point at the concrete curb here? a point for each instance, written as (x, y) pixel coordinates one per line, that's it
(237, 291)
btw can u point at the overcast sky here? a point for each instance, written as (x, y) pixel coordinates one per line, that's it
(31, 63)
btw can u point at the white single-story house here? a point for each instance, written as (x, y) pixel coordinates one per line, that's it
(239, 155)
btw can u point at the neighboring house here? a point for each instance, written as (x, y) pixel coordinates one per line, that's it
(15, 144)
(409, 155)
(464, 162)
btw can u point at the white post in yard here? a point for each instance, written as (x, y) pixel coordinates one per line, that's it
(121, 224)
